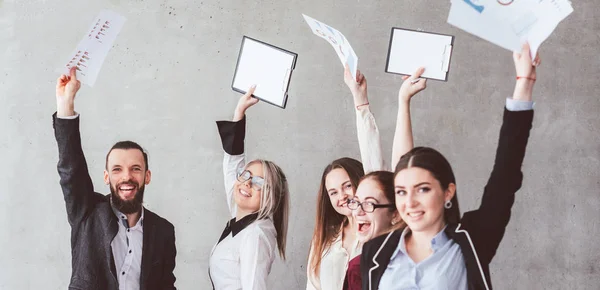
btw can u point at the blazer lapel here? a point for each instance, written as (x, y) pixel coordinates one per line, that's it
(148, 248)
(110, 229)
(382, 257)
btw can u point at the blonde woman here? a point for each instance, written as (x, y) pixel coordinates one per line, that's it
(258, 197)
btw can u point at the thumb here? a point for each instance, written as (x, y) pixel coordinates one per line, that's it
(525, 51)
(251, 90)
(73, 73)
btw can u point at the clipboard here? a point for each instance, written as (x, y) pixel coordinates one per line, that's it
(268, 66)
(410, 49)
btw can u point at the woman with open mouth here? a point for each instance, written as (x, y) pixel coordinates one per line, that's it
(335, 241)
(374, 213)
(439, 249)
(258, 197)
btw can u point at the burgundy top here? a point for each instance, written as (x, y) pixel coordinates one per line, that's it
(352, 280)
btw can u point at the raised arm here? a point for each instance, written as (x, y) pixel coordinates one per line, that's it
(506, 178)
(75, 180)
(232, 135)
(403, 137)
(369, 141)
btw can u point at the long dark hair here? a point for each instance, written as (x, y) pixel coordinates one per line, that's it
(434, 162)
(329, 221)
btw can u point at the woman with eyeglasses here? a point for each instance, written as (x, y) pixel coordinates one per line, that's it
(258, 197)
(335, 241)
(374, 213)
(439, 249)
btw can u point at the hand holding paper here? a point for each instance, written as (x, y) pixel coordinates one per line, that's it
(526, 73)
(412, 85)
(246, 101)
(67, 87)
(358, 86)
(90, 53)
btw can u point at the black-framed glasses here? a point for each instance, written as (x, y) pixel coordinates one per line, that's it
(256, 182)
(367, 206)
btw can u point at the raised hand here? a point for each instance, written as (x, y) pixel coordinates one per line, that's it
(246, 101)
(357, 87)
(526, 73)
(66, 89)
(412, 85)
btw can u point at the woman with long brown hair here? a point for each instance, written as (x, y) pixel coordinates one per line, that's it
(334, 241)
(439, 249)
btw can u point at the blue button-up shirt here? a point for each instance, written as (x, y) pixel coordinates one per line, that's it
(444, 269)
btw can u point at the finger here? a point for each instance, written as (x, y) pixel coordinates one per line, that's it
(61, 79)
(404, 78)
(250, 91)
(73, 73)
(537, 60)
(418, 73)
(347, 70)
(525, 51)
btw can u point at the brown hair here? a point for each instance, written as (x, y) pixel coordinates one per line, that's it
(385, 180)
(434, 162)
(328, 221)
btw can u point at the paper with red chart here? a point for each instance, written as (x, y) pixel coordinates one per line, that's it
(337, 40)
(90, 53)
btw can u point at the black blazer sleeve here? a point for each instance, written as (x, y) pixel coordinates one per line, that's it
(170, 252)
(75, 180)
(232, 135)
(488, 223)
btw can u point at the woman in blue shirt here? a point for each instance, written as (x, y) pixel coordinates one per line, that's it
(438, 249)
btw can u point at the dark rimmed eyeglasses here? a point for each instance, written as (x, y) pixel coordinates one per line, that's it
(367, 206)
(256, 182)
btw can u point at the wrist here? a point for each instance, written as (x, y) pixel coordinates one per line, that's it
(238, 114)
(360, 99)
(523, 89)
(65, 108)
(404, 99)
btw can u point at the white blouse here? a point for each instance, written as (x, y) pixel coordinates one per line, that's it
(242, 261)
(334, 262)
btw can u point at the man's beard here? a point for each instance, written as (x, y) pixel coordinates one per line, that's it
(128, 206)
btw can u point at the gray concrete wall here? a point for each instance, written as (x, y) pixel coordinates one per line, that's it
(167, 80)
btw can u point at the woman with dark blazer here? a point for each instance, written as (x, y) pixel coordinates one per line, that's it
(438, 249)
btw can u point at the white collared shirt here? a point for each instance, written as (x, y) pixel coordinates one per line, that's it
(242, 261)
(334, 265)
(127, 251)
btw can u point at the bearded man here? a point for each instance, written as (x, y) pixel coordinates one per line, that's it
(116, 243)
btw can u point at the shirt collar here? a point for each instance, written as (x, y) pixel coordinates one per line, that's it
(234, 227)
(437, 242)
(238, 226)
(123, 218)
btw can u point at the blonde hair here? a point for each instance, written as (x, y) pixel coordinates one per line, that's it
(274, 200)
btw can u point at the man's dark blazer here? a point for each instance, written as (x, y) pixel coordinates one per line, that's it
(94, 225)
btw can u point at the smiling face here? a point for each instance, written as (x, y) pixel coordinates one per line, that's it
(340, 190)
(247, 195)
(371, 225)
(420, 199)
(127, 176)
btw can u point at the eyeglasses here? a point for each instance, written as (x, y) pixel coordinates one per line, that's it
(256, 182)
(367, 206)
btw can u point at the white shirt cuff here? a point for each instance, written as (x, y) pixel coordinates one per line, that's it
(518, 105)
(69, 117)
